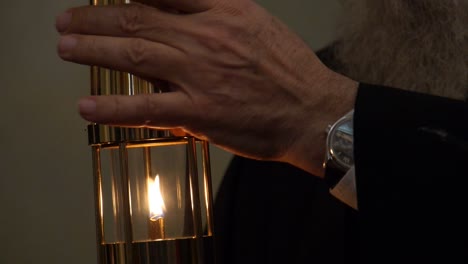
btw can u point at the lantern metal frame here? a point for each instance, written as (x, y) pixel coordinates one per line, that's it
(104, 137)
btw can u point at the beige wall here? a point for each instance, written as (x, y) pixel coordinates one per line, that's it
(46, 199)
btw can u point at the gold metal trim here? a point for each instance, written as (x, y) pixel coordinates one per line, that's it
(104, 134)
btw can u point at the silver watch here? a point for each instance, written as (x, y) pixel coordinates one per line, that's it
(339, 149)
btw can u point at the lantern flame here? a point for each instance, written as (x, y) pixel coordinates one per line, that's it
(155, 200)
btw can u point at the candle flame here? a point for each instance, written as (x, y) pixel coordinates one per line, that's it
(155, 200)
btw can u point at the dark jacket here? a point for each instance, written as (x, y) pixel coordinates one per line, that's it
(411, 156)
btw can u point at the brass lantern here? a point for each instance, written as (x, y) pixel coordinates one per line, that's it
(152, 188)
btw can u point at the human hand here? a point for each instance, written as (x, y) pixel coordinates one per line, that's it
(237, 76)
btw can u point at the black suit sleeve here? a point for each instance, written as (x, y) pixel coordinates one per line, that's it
(411, 157)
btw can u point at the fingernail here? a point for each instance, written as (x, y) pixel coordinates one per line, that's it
(87, 106)
(62, 21)
(66, 43)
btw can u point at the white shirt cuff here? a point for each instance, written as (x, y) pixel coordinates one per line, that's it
(345, 190)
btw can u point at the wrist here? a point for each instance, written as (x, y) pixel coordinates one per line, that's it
(334, 96)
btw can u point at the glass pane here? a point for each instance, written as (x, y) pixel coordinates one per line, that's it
(111, 205)
(160, 192)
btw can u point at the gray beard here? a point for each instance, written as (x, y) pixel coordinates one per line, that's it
(416, 45)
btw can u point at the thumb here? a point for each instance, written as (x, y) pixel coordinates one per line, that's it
(186, 6)
(163, 110)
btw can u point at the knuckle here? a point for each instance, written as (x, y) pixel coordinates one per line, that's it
(137, 51)
(89, 50)
(117, 109)
(83, 21)
(149, 109)
(91, 45)
(130, 20)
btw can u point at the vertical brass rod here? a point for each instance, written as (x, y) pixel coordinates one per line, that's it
(95, 80)
(123, 154)
(208, 187)
(147, 158)
(195, 197)
(96, 156)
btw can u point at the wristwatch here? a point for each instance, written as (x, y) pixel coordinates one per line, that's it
(339, 149)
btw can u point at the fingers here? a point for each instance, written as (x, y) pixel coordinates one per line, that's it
(144, 58)
(164, 110)
(131, 20)
(186, 6)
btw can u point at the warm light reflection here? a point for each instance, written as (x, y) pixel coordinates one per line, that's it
(155, 200)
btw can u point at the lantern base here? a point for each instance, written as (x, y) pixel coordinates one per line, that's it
(176, 251)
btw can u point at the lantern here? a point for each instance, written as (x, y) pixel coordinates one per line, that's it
(152, 187)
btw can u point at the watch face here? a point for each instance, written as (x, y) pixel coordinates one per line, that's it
(341, 143)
